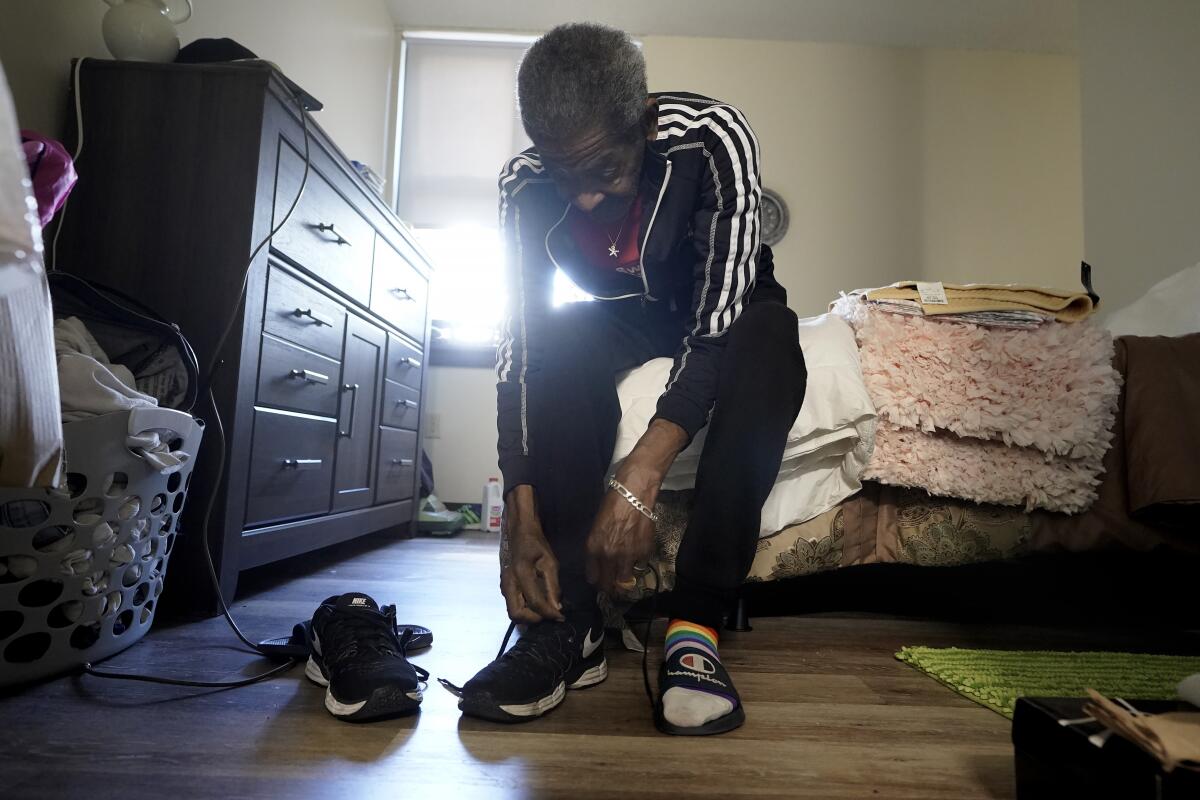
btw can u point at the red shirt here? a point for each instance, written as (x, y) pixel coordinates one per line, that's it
(596, 241)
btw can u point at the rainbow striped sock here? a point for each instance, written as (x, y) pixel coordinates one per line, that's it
(682, 633)
(695, 688)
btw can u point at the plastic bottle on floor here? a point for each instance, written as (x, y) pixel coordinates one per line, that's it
(493, 506)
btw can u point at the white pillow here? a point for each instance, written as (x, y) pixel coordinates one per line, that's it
(1170, 308)
(827, 447)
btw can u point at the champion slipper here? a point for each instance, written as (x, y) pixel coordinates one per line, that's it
(691, 668)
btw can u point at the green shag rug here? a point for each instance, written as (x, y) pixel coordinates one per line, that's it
(996, 678)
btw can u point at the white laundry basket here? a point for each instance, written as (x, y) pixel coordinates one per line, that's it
(81, 567)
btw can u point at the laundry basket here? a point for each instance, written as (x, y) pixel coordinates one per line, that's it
(82, 566)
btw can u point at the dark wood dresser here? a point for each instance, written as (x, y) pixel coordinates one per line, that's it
(185, 169)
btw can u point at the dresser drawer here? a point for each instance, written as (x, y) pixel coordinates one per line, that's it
(398, 291)
(404, 362)
(299, 313)
(401, 406)
(325, 234)
(397, 474)
(293, 378)
(291, 467)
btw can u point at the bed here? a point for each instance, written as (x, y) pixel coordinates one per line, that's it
(1148, 496)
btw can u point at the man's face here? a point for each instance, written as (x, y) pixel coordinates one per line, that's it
(599, 173)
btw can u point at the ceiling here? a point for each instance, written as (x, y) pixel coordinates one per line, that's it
(1027, 25)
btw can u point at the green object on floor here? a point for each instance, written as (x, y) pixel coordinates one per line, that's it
(469, 515)
(437, 520)
(996, 678)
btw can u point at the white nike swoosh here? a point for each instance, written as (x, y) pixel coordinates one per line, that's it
(590, 646)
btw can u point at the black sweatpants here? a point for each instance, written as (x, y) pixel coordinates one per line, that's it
(573, 416)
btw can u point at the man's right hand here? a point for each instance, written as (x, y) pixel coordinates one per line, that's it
(529, 575)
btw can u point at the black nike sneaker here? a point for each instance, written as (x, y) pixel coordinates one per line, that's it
(355, 652)
(533, 677)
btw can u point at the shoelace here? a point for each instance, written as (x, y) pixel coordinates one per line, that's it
(527, 646)
(557, 659)
(646, 638)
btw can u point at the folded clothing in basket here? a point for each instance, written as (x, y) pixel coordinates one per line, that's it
(827, 447)
(89, 383)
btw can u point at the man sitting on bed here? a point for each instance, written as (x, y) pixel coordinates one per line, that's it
(649, 203)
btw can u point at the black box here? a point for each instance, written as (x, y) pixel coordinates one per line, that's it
(1059, 761)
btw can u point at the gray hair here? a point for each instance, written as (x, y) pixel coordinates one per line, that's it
(579, 78)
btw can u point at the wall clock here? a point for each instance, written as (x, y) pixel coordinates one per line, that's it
(774, 217)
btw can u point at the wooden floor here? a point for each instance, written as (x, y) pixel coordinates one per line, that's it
(830, 712)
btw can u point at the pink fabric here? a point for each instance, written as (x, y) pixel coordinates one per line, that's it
(986, 471)
(1015, 417)
(52, 172)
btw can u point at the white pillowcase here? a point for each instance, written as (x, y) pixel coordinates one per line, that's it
(1170, 308)
(827, 447)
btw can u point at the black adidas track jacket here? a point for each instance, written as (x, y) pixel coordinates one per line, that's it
(700, 251)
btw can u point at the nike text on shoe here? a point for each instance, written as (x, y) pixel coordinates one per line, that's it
(356, 654)
(533, 677)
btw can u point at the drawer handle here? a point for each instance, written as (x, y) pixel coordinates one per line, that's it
(353, 388)
(407, 403)
(308, 376)
(404, 294)
(308, 312)
(331, 228)
(409, 361)
(302, 463)
(403, 462)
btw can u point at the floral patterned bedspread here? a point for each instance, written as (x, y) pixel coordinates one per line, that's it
(879, 524)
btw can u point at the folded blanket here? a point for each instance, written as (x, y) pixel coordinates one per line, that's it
(1014, 417)
(1148, 457)
(984, 471)
(1052, 388)
(1063, 305)
(827, 448)
(994, 319)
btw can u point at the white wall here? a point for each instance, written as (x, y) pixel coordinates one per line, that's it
(902, 163)
(340, 53)
(838, 127)
(463, 449)
(1140, 80)
(1000, 178)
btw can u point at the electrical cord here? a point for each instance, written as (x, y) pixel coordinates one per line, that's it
(62, 212)
(206, 388)
(215, 364)
(133, 676)
(646, 638)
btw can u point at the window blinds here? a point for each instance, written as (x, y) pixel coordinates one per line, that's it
(459, 125)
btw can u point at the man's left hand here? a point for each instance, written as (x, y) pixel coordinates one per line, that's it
(622, 536)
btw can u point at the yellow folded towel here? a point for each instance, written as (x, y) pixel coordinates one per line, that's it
(1063, 305)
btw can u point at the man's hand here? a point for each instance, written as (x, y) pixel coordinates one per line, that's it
(622, 536)
(529, 570)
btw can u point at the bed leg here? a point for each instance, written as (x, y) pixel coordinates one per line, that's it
(739, 620)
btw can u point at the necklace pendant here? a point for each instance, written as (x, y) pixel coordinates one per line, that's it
(612, 250)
